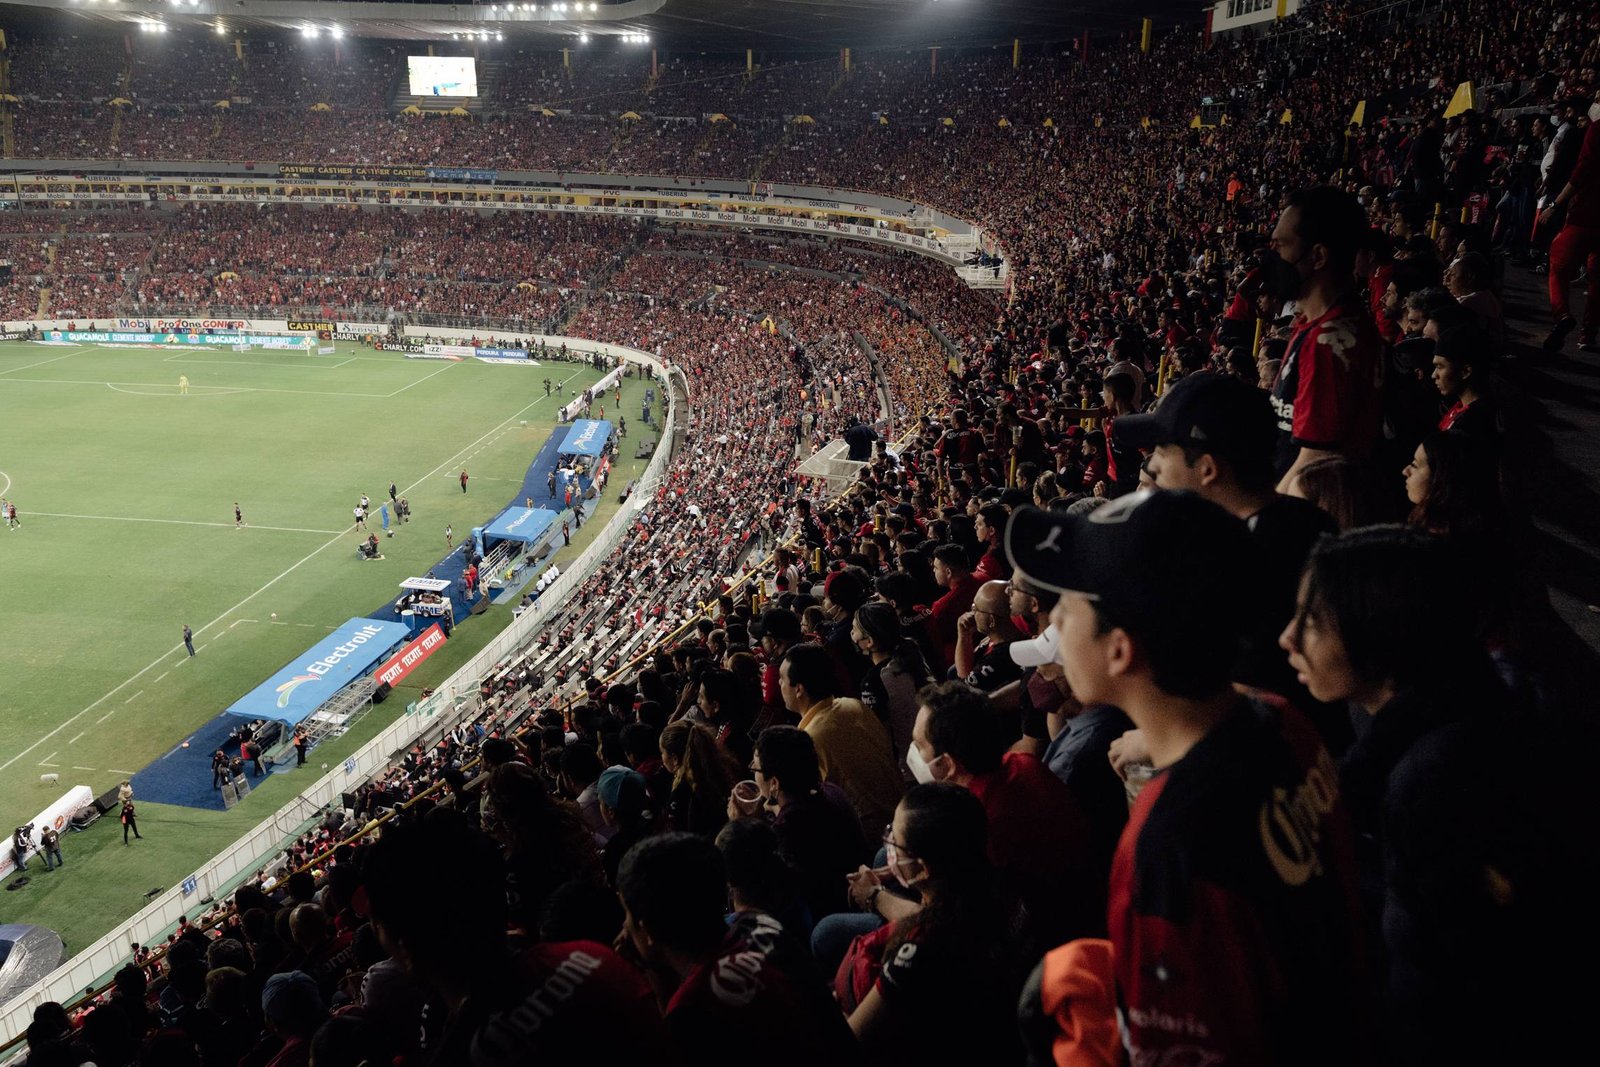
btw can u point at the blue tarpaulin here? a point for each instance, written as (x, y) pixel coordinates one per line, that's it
(312, 677)
(519, 524)
(587, 437)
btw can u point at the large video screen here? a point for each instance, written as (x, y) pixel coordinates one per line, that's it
(442, 75)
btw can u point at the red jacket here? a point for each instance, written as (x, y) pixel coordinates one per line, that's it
(947, 611)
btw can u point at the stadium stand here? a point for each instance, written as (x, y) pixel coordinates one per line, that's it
(1137, 825)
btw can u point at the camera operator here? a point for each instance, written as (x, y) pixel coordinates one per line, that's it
(21, 842)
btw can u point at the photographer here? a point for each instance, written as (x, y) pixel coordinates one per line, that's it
(20, 844)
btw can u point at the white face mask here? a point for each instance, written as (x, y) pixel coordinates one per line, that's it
(919, 766)
(1594, 111)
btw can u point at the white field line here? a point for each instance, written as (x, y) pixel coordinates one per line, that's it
(258, 363)
(178, 522)
(449, 462)
(42, 362)
(132, 387)
(420, 380)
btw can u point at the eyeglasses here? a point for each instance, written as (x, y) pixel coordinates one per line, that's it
(894, 847)
(752, 768)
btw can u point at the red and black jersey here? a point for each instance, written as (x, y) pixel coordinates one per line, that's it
(556, 1003)
(760, 998)
(1327, 395)
(1233, 904)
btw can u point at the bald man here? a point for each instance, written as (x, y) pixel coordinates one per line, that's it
(981, 637)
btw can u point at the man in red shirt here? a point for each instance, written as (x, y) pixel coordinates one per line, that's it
(953, 572)
(1233, 912)
(1038, 835)
(989, 526)
(1327, 394)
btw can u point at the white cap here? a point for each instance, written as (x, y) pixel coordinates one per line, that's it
(1035, 651)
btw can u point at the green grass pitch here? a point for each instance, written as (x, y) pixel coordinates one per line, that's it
(125, 491)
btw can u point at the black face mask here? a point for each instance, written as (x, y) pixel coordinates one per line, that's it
(1279, 278)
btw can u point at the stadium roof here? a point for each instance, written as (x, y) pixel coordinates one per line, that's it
(700, 24)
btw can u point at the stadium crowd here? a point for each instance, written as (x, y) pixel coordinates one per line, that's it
(1174, 690)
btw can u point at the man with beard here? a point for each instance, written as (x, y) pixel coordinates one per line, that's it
(1327, 393)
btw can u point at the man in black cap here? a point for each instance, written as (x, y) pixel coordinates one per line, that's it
(1214, 435)
(1233, 912)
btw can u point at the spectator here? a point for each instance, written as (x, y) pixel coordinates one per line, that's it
(580, 771)
(641, 745)
(982, 659)
(897, 671)
(1039, 838)
(1461, 374)
(675, 894)
(545, 840)
(627, 809)
(853, 746)
(759, 878)
(778, 631)
(730, 710)
(450, 933)
(1445, 812)
(1213, 435)
(990, 528)
(1154, 633)
(1468, 278)
(1326, 391)
(952, 958)
(817, 830)
(702, 778)
(953, 572)
(293, 1010)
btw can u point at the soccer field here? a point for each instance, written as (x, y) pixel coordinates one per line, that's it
(125, 491)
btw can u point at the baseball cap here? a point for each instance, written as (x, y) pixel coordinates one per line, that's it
(611, 783)
(1157, 563)
(1214, 412)
(1035, 651)
(291, 995)
(777, 624)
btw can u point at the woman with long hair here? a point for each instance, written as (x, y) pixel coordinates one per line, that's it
(1333, 484)
(1453, 485)
(703, 775)
(954, 958)
(544, 840)
(889, 687)
(1459, 826)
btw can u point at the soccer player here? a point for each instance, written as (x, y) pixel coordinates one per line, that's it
(361, 517)
(463, 480)
(183, 385)
(449, 537)
(238, 516)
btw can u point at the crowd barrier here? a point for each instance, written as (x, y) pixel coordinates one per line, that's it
(454, 700)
